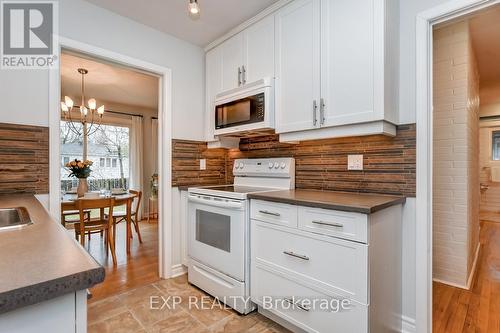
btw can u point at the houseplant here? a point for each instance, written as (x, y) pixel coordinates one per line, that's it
(81, 170)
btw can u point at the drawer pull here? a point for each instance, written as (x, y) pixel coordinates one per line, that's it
(331, 224)
(269, 213)
(293, 254)
(297, 304)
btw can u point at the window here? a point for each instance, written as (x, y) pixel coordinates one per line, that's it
(113, 163)
(65, 160)
(495, 146)
(108, 162)
(101, 162)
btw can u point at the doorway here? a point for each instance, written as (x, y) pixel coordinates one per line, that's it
(465, 237)
(164, 149)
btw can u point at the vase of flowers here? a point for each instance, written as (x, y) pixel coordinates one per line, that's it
(81, 170)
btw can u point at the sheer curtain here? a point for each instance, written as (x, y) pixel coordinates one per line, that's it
(136, 144)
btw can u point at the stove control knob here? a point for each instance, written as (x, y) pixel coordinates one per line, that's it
(271, 165)
(276, 165)
(283, 165)
(241, 165)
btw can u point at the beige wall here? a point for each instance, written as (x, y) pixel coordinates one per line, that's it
(456, 155)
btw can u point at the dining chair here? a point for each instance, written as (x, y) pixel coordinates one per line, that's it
(70, 215)
(103, 224)
(122, 216)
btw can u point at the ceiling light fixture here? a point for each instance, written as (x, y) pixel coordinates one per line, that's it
(194, 9)
(90, 124)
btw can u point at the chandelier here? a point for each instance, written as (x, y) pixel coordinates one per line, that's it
(90, 117)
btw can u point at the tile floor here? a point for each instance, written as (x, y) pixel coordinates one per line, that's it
(131, 312)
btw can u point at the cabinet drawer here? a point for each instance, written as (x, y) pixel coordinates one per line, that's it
(277, 293)
(274, 212)
(335, 264)
(347, 225)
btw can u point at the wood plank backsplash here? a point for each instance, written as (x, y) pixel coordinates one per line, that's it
(24, 159)
(186, 157)
(389, 162)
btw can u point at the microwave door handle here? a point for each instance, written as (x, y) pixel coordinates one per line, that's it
(215, 203)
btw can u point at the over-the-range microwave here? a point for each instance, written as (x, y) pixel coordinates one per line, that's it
(246, 108)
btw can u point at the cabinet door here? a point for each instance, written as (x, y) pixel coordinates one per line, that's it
(297, 66)
(347, 61)
(213, 86)
(259, 50)
(232, 59)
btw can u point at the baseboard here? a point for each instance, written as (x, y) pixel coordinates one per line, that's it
(474, 266)
(408, 325)
(178, 270)
(453, 284)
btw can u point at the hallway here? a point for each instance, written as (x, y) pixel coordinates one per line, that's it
(476, 310)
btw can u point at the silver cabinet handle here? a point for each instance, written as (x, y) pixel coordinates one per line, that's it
(331, 224)
(239, 76)
(244, 74)
(293, 254)
(269, 213)
(322, 111)
(297, 304)
(315, 108)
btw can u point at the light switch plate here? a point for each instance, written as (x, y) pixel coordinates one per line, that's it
(203, 164)
(354, 162)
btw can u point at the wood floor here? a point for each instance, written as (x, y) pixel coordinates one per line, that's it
(138, 269)
(476, 310)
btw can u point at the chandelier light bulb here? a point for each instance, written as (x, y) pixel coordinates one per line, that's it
(100, 110)
(64, 107)
(68, 101)
(92, 104)
(84, 110)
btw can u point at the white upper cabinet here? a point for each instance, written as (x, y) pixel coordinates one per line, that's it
(358, 65)
(298, 66)
(258, 62)
(232, 62)
(213, 85)
(347, 62)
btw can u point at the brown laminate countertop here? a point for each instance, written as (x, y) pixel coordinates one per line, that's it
(351, 202)
(41, 261)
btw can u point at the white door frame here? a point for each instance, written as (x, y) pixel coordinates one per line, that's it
(164, 140)
(424, 24)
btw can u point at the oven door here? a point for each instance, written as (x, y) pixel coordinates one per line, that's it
(216, 233)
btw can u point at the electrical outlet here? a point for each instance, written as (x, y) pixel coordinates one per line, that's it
(203, 164)
(354, 162)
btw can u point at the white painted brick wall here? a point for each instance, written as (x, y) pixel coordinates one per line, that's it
(455, 154)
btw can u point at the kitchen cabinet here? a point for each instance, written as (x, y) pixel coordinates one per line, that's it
(243, 58)
(336, 66)
(297, 66)
(64, 314)
(326, 255)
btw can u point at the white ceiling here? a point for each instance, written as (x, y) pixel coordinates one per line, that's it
(170, 16)
(485, 34)
(107, 82)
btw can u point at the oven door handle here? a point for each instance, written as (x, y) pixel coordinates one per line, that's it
(216, 203)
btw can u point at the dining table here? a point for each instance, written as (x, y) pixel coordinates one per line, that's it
(68, 203)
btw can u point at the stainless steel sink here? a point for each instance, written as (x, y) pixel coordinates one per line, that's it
(14, 218)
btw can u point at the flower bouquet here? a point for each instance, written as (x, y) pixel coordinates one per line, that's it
(81, 170)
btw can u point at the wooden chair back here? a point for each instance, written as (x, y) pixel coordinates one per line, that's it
(83, 204)
(138, 196)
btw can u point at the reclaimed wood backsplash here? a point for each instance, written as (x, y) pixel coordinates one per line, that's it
(24, 159)
(389, 162)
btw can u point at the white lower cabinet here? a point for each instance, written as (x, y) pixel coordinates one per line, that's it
(63, 314)
(340, 275)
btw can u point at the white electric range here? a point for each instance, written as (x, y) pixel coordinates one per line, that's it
(219, 228)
